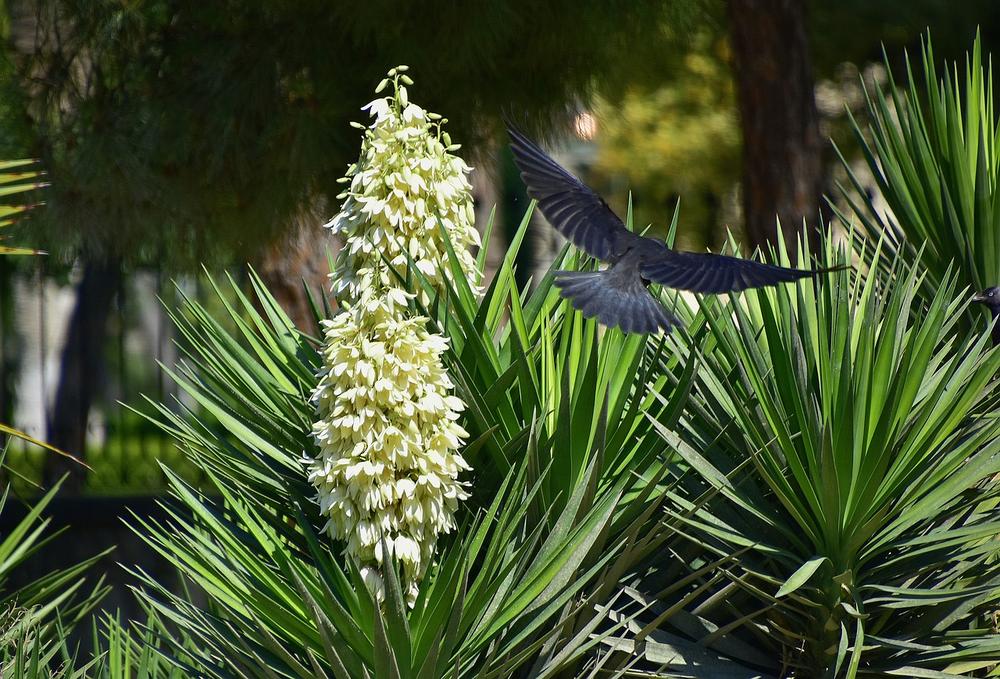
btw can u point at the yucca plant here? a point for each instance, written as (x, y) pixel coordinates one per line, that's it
(561, 508)
(329, 548)
(932, 148)
(841, 449)
(124, 652)
(29, 656)
(515, 589)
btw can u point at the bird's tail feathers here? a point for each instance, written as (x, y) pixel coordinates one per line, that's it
(615, 301)
(829, 269)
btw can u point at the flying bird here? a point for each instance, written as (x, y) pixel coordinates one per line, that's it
(618, 296)
(991, 298)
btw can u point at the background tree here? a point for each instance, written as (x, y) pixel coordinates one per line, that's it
(673, 127)
(181, 131)
(782, 158)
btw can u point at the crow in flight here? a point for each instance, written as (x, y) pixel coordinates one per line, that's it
(991, 298)
(617, 296)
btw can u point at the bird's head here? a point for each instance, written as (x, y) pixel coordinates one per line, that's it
(990, 297)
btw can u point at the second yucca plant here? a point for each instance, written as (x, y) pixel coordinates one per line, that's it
(841, 441)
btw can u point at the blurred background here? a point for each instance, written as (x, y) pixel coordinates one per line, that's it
(181, 134)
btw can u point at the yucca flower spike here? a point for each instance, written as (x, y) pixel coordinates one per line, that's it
(387, 428)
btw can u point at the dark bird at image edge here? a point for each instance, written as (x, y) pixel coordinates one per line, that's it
(991, 298)
(618, 296)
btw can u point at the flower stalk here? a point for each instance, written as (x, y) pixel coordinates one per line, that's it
(387, 422)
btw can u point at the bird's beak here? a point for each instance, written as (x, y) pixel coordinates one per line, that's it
(979, 297)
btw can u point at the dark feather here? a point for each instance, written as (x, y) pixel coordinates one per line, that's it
(568, 204)
(707, 273)
(615, 301)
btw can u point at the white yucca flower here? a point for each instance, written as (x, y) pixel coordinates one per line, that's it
(404, 188)
(387, 428)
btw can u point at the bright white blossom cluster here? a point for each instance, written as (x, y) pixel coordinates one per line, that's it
(387, 428)
(406, 187)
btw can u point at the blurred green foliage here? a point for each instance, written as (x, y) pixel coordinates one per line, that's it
(671, 128)
(681, 138)
(196, 130)
(125, 465)
(858, 30)
(193, 128)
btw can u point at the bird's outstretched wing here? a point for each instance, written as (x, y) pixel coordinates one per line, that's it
(571, 206)
(707, 273)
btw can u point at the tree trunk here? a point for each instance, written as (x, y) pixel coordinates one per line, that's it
(782, 158)
(297, 261)
(81, 370)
